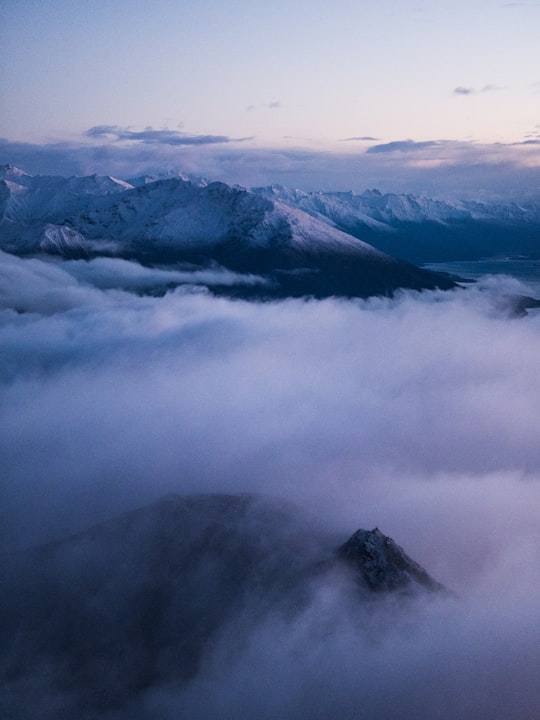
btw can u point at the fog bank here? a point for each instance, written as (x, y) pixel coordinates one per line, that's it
(417, 414)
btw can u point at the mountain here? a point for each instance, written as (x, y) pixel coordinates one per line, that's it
(32, 209)
(419, 229)
(176, 220)
(382, 564)
(140, 600)
(139, 180)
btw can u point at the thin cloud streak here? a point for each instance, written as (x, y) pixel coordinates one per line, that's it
(405, 146)
(157, 137)
(461, 90)
(361, 138)
(273, 105)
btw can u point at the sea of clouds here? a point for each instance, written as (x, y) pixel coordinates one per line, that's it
(417, 414)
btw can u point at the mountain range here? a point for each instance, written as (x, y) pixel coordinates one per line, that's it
(298, 243)
(179, 221)
(141, 599)
(423, 230)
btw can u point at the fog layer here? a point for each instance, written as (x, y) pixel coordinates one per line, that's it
(417, 414)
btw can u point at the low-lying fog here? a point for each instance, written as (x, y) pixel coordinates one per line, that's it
(418, 414)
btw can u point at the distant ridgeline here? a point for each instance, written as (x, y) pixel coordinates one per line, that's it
(195, 224)
(422, 230)
(297, 243)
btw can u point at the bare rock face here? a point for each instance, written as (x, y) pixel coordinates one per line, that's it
(383, 565)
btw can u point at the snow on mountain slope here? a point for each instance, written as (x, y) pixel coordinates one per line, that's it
(177, 213)
(384, 211)
(172, 213)
(55, 240)
(141, 180)
(177, 220)
(423, 230)
(32, 198)
(33, 210)
(328, 207)
(308, 233)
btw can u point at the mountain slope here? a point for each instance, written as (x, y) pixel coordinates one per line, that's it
(176, 220)
(420, 229)
(383, 565)
(140, 599)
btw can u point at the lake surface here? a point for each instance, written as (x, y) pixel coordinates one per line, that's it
(526, 270)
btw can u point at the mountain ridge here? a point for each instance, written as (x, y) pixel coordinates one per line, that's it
(419, 229)
(175, 220)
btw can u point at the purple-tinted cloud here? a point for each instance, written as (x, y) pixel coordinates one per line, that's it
(461, 90)
(191, 392)
(160, 137)
(273, 105)
(436, 168)
(361, 138)
(417, 414)
(404, 146)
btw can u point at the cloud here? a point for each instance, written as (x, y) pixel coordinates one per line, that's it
(168, 387)
(273, 105)
(404, 146)
(111, 273)
(47, 288)
(362, 138)
(417, 414)
(436, 168)
(448, 664)
(460, 90)
(522, 4)
(158, 137)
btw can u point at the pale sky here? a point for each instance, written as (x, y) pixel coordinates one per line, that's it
(337, 76)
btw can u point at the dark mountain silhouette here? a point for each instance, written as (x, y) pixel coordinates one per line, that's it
(139, 600)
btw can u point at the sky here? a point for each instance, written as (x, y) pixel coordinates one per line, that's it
(341, 94)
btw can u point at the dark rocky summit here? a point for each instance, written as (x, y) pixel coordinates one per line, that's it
(140, 600)
(383, 565)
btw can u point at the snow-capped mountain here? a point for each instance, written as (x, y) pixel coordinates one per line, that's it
(139, 180)
(32, 209)
(140, 600)
(178, 220)
(27, 198)
(421, 229)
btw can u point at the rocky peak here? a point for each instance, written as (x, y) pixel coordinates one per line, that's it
(382, 564)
